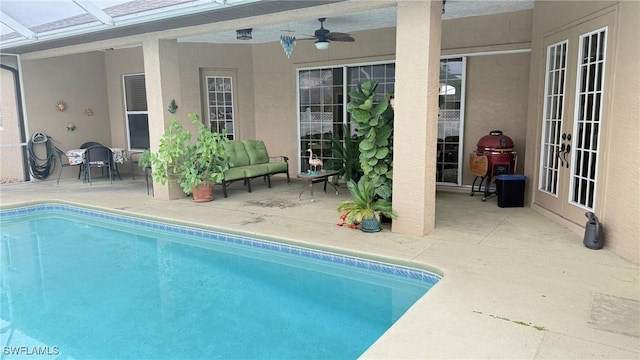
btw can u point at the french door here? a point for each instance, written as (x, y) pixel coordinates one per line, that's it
(574, 119)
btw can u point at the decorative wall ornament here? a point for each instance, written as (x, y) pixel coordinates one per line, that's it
(287, 43)
(71, 126)
(61, 106)
(88, 112)
(173, 107)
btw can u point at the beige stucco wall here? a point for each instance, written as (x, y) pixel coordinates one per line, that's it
(619, 205)
(497, 89)
(11, 164)
(79, 81)
(497, 81)
(118, 63)
(227, 59)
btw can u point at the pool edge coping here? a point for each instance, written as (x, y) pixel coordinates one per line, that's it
(434, 274)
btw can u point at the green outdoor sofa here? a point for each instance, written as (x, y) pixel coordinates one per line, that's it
(249, 160)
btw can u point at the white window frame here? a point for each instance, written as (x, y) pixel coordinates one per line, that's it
(127, 112)
(226, 104)
(546, 144)
(575, 149)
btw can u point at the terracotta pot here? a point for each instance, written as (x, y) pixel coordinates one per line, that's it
(202, 192)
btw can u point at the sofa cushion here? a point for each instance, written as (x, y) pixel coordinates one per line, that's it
(257, 151)
(234, 174)
(237, 153)
(256, 170)
(278, 167)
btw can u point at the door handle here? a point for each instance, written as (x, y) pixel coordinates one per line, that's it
(566, 152)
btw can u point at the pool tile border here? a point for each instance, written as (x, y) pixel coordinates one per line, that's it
(376, 266)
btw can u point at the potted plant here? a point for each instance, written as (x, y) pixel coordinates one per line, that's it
(374, 120)
(144, 161)
(366, 207)
(196, 165)
(346, 156)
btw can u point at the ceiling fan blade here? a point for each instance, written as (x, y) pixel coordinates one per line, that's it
(311, 38)
(336, 36)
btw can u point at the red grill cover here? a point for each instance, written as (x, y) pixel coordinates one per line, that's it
(495, 141)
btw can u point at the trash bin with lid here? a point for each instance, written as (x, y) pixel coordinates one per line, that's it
(510, 190)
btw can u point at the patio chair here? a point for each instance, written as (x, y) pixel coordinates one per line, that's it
(86, 146)
(64, 162)
(100, 157)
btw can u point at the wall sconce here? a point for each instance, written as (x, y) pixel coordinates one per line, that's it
(244, 34)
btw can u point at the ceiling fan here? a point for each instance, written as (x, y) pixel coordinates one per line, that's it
(323, 36)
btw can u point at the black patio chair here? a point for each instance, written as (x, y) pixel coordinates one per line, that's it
(86, 146)
(100, 157)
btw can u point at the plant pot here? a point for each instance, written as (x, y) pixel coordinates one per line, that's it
(370, 225)
(202, 192)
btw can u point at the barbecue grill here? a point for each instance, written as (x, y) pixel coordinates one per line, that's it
(493, 156)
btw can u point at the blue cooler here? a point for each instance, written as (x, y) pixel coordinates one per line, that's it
(510, 190)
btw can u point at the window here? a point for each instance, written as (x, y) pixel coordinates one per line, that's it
(588, 114)
(550, 152)
(322, 101)
(136, 112)
(450, 120)
(220, 102)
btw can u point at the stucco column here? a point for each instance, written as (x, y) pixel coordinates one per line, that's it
(416, 115)
(162, 81)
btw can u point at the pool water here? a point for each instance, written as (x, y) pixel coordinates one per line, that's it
(87, 284)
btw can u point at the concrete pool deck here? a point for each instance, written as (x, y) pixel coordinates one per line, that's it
(516, 285)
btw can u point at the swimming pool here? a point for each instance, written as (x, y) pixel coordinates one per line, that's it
(92, 284)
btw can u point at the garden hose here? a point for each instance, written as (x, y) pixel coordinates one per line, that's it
(41, 168)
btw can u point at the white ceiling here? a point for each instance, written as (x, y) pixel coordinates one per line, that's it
(32, 25)
(361, 21)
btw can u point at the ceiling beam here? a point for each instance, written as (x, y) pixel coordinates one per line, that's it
(17, 26)
(95, 11)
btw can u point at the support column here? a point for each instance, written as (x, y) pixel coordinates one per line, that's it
(416, 115)
(162, 81)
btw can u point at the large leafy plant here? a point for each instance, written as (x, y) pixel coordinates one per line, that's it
(374, 120)
(190, 162)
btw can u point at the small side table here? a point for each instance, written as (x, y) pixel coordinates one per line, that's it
(323, 176)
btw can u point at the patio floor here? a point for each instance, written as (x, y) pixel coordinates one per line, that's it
(516, 285)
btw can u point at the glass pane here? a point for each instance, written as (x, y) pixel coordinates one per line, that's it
(553, 118)
(138, 131)
(136, 93)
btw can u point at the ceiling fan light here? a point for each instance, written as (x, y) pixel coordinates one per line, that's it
(321, 45)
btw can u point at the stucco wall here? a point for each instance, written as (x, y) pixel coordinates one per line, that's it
(79, 81)
(118, 63)
(497, 88)
(11, 166)
(497, 81)
(230, 59)
(619, 204)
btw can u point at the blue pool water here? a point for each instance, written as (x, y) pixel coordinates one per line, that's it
(87, 284)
